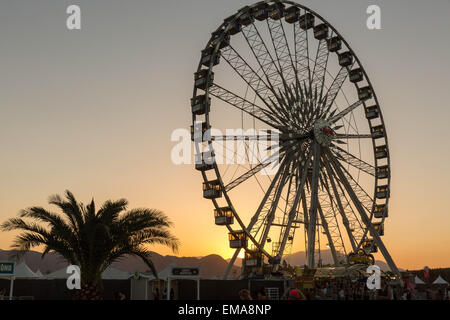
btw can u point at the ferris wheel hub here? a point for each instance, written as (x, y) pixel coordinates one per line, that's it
(323, 133)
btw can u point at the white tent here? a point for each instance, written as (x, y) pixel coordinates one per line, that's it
(39, 273)
(162, 275)
(22, 271)
(108, 274)
(440, 280)
(417, 280)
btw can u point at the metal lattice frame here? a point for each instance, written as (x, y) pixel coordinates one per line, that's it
(317, 184)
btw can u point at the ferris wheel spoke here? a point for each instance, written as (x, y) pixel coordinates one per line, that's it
(356, 230)
(302, 54)
(262, 55)
(334, 90)
(270, 215)
(246, 138)
(352, 136)
(363, 215)
(266, 214)
(286, 116)
(292, 212)
(290, 192)
(357, 226)
(320, 68)
(352, 160)
(273, 74)
(329, 212)
(244, 177)
(244, 105)
(324, 224)
(338, 199)
(250, 77)
(282, 51)
(364, 197)
(352, 223)
(344, 112)
(295, 96)
(256, 221)
(231, 264)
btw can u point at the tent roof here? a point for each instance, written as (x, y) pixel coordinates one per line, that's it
(417, 280)
(22, 271)
(108, 274)
(162, 275)
(440, 280)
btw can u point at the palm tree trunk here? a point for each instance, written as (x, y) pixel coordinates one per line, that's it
(89, 291)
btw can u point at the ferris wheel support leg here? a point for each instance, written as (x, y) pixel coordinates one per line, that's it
(313, 208)
(230, 264)
(364, 216)
(306, 219)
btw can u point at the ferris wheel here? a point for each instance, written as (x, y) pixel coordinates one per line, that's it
(277, 68)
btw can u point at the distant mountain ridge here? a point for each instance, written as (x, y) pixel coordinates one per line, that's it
(211, 266)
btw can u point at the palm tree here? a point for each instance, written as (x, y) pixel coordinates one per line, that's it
(91, 239)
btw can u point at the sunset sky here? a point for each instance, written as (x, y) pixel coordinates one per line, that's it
(93, 110)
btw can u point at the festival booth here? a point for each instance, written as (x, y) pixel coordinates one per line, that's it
(145, 286)
(439, 289)
(441, 284)
(172, 284)
(12, 271)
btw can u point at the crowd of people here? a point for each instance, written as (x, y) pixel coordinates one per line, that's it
(345, 289)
